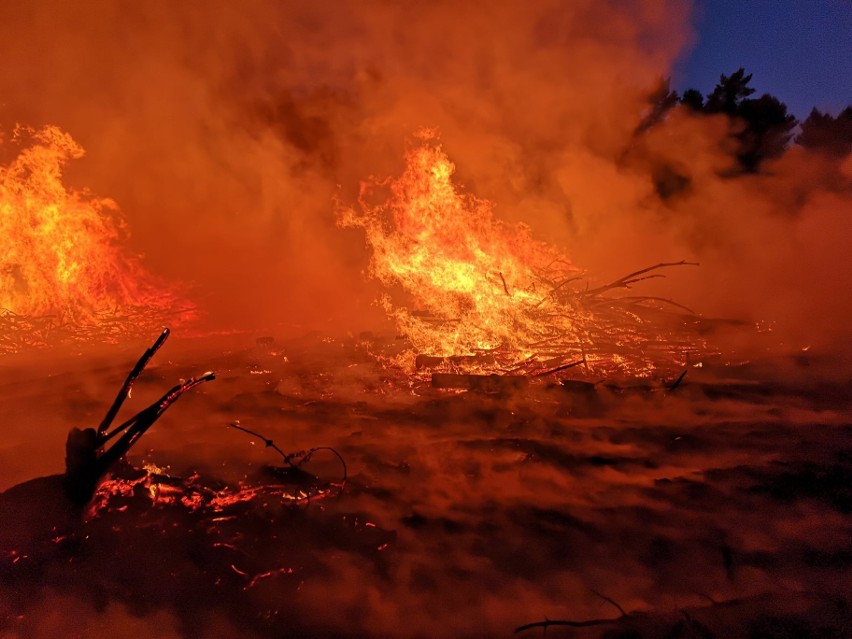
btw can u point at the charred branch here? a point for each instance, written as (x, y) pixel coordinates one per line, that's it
(678, 381)
(295, 460)
(636, 276)
(547, 623)
(124, 392)
(86, 461)
(482, 383)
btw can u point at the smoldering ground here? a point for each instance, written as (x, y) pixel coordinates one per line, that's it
(465, 514)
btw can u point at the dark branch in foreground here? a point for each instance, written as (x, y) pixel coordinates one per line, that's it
(303, 456)
(610, 601)
(269, 443)
(124, 392)
(637, 615)
(566, 623)
(578, 624)
(87, 460)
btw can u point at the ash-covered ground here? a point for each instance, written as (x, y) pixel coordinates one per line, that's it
(721, 509)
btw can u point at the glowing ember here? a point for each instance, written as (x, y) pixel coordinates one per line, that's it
(60, 250)
(485, 296)
(191, 494)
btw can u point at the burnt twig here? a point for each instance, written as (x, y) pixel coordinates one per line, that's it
(564, 622)
(85, 460)
(137, 425)
(124, 392)
(636, 276)
(269, 443)
(303, 456)
(678, 381)
(557, 287)
(578, 624)
(610, 601)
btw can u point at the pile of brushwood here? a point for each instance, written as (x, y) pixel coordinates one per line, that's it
(23, 332)
(587, 333)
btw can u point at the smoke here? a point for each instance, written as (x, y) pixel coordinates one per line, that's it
(227, 134)
(771, 244)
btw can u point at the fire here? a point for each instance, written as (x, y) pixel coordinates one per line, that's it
(486, 295)
(60, 252)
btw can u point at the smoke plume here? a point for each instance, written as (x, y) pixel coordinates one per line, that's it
(229, 135)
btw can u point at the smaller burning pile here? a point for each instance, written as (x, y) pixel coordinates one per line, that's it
(472, 294)
(63, 276)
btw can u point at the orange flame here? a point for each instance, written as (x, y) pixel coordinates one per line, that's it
(463, 284)
(60, 248)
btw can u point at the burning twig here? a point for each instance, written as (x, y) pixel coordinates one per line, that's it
(503, 279)
(556, 288)
(638, 299)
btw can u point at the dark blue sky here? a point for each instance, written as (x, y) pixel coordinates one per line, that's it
(800, 51)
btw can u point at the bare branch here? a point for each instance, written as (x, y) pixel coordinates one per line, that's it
(125, 389)
(634, 277)
(611, 601)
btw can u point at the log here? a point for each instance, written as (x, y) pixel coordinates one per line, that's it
(434, 361)
(481, 383)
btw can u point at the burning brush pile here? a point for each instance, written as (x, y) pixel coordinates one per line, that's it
(474, 296)
(63, 275)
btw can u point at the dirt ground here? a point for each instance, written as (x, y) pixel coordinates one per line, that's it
(722, 509)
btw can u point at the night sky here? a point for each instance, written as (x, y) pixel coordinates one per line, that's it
(800, 51)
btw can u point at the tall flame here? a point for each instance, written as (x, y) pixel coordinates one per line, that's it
(465, 285)
(60, 248)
